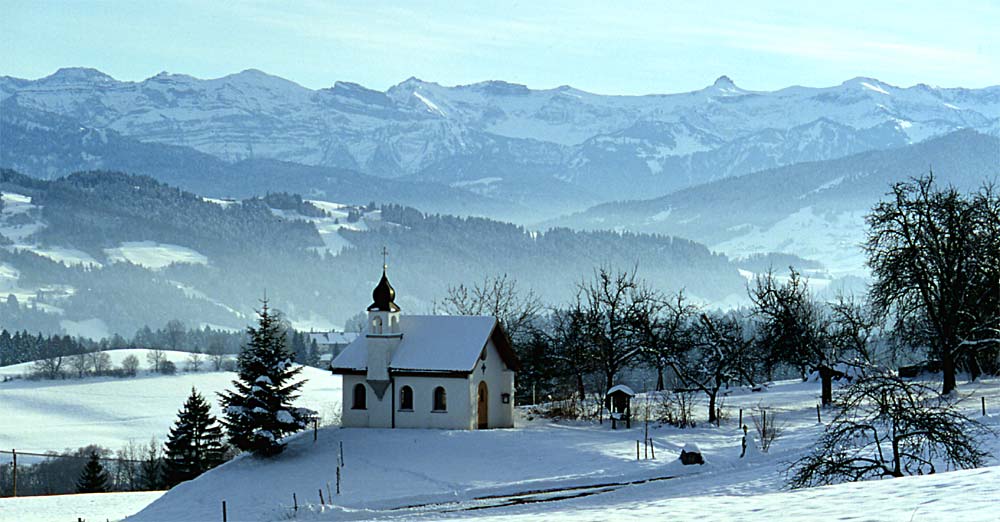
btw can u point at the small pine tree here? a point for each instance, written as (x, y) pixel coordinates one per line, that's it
(151, 467)
(194, 445)
(258, 413)
(93, 479)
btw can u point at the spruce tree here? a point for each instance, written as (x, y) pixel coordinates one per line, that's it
(93, 479)
(194, 445)
(258, 412)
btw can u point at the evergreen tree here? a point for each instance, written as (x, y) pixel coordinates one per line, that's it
(258, 413)
(194, 445)
(151, 467)
(93, 479)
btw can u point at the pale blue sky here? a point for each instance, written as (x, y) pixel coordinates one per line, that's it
(606, 47)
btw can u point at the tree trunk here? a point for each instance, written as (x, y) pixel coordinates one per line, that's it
(579, 386)
(610, 381)
(711, 409)
(826, 378)
(948, 368)
(659, 379)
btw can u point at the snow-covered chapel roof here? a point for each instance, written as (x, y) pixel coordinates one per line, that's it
(433, 343)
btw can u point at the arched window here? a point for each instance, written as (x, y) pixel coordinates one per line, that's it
(360, 401)
(406, 398)
(377, 325)
(440, 399)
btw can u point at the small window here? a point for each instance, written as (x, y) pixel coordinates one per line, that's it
(406, 398)
(377, 325)
(360, 400)
(440, 399)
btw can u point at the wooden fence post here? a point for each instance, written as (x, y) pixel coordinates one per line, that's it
(341, 453)
(763, 426)
(15, 471)
(741, 418)
(224, 518)
(315, 429)
(636, 450)
(321, 501)
(295, 501)
(652, 450)
(984, 408)
(338, 480)
(818, 419)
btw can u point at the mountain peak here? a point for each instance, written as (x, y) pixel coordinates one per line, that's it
(79, 74)
(724, 82)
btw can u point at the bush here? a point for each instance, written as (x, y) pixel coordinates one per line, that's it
(677, 409)
(168, 368)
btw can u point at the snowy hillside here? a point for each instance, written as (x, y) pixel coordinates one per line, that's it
(814, 210)
(573, 471)
(608, 147)
(110, 411)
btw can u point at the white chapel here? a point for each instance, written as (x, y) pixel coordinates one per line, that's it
(426, 371)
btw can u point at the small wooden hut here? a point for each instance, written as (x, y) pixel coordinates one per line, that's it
(618, 402)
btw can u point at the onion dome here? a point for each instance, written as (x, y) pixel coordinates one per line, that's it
(383, 296)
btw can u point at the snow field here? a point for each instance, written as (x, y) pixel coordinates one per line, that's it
(46, 415)
(153, 255)
(445, 474)
(65, 508)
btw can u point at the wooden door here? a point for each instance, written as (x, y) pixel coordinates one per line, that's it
(483, 409)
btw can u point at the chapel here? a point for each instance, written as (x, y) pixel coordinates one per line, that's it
(426, 371)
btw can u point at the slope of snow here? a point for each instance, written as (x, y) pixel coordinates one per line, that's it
(835, 240)
(70, 413)
(151, 254)
(433, 474)
(62, 508)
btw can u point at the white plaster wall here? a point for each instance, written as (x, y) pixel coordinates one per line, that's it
(499, 380)
(459, 415)
(351, 418)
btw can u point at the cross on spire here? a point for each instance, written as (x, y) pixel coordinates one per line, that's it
(385, 255)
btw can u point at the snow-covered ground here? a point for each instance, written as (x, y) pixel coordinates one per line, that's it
(573, 471)
(541, 470)
(68, 508)
(154, 255)
(44, 415)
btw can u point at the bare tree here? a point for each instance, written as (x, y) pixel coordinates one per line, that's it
(721, 353)
(175, 333)
(130, 365)
(661, 327)
(608, 306)
(498, 296)
(81, 364)
(793, 328)
(194, 362)
(155, 358)
(217, 354)
(100, 362)
(933, 255)
(889, 427)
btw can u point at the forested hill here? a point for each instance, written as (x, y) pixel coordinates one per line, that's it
(105, 252)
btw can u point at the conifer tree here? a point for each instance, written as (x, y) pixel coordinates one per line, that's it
(259, 412)
(93, 479)
(194, 445)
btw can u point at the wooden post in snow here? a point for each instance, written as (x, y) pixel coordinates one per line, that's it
(341, 453)
(15, 471)
(741, 416)
(818, 419)
(652, 450)
(321, 501)
(295, 502)
(315, 429)
(224, 518)
(637, 449)
(338, 481)
(984, 414)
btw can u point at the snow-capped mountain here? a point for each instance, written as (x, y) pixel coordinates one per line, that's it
(507, 140)
(812, 209)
